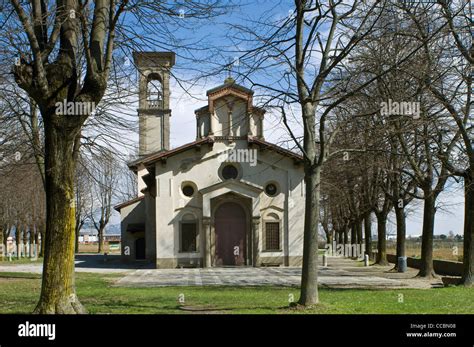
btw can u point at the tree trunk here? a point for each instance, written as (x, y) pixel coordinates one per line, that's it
(346, 237)
(368, 234)
(360, 239)
(381, 239)
(32, 243)
(353, 233)
(37, 248)
(5, 238)
(100, 235)
(401, 232)
(468, 255)
(329, 234)
(58, 295)
(309, 272)
(429, 210)
(25, 243)
(43, 236)
(76, 239)
(3, 248)
(18, 242)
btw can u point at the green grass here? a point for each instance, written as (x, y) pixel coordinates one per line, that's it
(19, 293)
(16, 261)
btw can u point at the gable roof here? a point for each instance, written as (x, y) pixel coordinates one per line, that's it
(230, 83)
(162, 155)
(128, 203)
(205, 109)
(165, 154)
(276, 148)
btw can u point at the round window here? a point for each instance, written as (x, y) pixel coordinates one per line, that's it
(188, 190)
(271, 189)
(230, 172)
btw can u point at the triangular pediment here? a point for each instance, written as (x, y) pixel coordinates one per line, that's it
(228, 86)
(234, 185)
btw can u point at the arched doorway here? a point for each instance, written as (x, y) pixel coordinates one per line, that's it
(231, 228)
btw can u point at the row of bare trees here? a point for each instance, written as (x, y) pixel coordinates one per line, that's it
(412, 153)
(22, 209)
(102, 178)
(22, 199)
(70, 51)
(382, 91)
(101, 181)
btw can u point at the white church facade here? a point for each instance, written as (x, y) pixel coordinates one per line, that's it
(229, 198)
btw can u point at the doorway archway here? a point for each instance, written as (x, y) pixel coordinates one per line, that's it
(230, 232)
(140, 248)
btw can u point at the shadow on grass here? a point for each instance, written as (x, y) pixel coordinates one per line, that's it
(20, 275)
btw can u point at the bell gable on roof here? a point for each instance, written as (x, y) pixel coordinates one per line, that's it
(230, 113)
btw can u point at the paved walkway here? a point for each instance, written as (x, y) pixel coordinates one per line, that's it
(340, 273)
(95, 263)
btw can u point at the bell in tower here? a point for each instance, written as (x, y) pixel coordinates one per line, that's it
(154, 100)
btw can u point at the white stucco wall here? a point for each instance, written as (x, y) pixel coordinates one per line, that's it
(201, 168)
(131, 214)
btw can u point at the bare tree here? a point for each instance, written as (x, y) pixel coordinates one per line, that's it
(65, 53)
(451, 83)
(313, 63)
(104, 174)
(83, 199)
(308, 56)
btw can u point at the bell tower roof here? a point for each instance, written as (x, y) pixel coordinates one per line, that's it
(153, 59)
(229, 84)
(229, 113)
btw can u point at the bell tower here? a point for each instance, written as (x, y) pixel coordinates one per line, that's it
(154, 100)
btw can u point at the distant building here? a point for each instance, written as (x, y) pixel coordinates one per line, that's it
(91, 236)
(114, 241)
(88, 236)
(112, 238)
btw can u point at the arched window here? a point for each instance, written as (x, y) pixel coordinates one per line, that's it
(154, 95)
(188, 234)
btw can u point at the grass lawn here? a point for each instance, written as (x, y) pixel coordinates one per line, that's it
(19, 293)
(16, 261)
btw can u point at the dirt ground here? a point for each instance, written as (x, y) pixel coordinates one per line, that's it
(447, 251)
(94, 247)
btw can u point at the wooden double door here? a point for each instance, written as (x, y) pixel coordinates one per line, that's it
(231, 225)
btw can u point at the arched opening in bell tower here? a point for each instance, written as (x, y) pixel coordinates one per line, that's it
(154, 95)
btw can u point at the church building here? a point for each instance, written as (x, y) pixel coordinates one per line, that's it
(229, 198)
